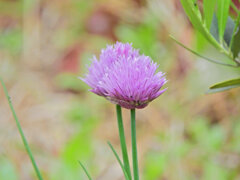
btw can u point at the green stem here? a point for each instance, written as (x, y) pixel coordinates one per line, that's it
(234, 7)
(123, 141)
(201, 56)
(85, 170)
(134, 145)
(21, 132)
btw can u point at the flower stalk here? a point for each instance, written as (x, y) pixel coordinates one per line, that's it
(134, 145)
(123, 141)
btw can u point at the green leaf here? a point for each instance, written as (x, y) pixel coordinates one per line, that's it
(201, 56)
(229, 30)
(236, 43)
(214, 28)
(193, 14)
(223, 86)
(85, 170)
(208, 10)
(222, 15)
(119, 161)
(195, 17)
(7, 170)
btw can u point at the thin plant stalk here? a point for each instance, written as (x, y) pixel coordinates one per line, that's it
(85, 170)
(205, 58)
(21, 132)
(234, 7)
(134, 145)
(119, 161)
(123, 141)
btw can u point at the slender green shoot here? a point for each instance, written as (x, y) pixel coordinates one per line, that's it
(119, 161)
(123, 141)
(134, 145)
(201, 56)
(85, 170)
(234, 7)
(21, 132)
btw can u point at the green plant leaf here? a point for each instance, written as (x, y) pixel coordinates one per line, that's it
(208, 10)
(229, 30)
(193, 14)
(214, 28)
(85, 170)
(236, 43)
(119, 161)
(223, 86)
(236, 28)
(222, 15)
(195, 17)
(201, 56)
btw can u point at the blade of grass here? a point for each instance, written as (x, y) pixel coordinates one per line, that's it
(85, 170)
(201, 56)
(119, 161)
(123, 141)
(21, 132)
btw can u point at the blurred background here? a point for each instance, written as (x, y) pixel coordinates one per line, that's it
(46, 45)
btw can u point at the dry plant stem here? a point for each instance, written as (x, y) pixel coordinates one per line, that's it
(123, 141)
(134, 145)
(21, 132)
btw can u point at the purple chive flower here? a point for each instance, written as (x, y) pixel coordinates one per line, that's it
(125, 77)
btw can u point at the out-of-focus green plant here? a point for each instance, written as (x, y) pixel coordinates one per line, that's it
(199, 156)
(24, 140)
(7, 170)
(219, 29)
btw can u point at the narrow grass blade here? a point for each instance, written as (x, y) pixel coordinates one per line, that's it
(201, 56)
(85, 170)
(119, 161)
(21, 132)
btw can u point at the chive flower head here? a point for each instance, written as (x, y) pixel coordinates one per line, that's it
(125, 77)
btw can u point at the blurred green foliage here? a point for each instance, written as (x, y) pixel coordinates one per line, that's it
(204, 145)
(7, 170)
(11, 40)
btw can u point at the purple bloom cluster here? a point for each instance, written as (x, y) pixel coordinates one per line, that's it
(125, 77)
